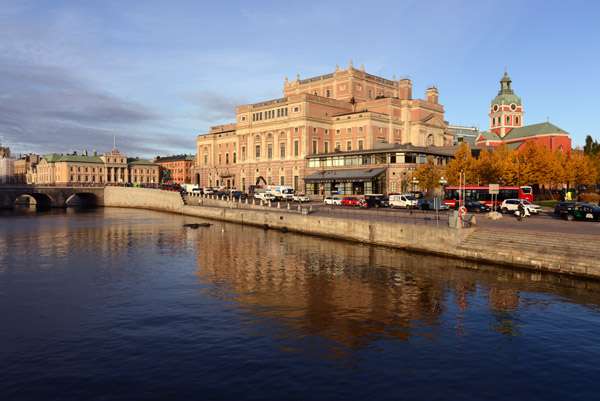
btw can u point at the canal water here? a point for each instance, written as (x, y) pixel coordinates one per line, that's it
(125, 304)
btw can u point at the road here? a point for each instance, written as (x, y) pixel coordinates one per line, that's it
(546, 222)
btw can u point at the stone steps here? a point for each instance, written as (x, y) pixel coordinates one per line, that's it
(531, 241)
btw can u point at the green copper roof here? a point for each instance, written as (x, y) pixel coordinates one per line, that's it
(55, 157)
(506, 94)
(490, 136)
(140, 162)
(534, 130)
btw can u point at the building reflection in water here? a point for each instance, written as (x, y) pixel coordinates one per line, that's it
(348, 294)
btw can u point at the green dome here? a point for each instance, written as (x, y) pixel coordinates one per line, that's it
(506, 94)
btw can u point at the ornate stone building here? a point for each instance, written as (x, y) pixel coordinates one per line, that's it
(112, 168)
(332, 115)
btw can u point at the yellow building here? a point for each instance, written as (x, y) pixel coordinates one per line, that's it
(346, 113)
(112, 168)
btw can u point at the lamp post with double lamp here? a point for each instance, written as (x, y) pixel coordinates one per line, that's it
(414, 182)
(519, 160)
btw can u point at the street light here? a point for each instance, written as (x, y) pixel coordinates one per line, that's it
(520, 161)
(414, 182)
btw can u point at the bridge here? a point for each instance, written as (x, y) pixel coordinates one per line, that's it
(50, 196)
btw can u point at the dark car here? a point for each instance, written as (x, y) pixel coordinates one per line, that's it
(581, 211)
(474, 206)
(429, 204)
(562, 206)
(221, 194)
(239, 195)
(377, 201)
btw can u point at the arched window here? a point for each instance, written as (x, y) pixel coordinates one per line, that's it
(282, 133)
(327, 93)
(257, 138)
(430, 140)
(517, 120)
(494, 121)
(508, 119)
(316, 94)
(270, 136)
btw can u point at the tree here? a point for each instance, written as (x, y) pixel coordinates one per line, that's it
(428, 174)
(591, 146)
(488, 168)
(462, 162)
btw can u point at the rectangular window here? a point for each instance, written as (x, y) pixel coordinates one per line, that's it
(286, 111)
(282, 150)
(349, 130)
(338, 145)
(348, 145)
(278, 112)
(360, 129)
(314, 129)
(337, 131)
(234, 158)
(296, 148)
(326, 147)
(295, 129)
(296, 109)
(219, 158)
(226, 158)
(258, 151)
(205, 159)
(243, 153)
(314, 146)
(282, 180)
(270, 151)
(360, 144)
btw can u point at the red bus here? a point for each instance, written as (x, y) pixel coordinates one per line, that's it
(481, 193)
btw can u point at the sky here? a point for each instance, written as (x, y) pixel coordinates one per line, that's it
(152, 75)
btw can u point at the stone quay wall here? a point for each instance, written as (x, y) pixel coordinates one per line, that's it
(443, 241)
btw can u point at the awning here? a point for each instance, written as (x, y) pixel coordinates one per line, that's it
(355, 175)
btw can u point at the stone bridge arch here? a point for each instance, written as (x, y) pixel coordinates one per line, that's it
(34, 199)
(83, 199)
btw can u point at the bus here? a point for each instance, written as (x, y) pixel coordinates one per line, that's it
(481, 193)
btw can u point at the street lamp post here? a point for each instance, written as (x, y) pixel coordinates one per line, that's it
(520, 161)
(443, 182)
(414, 182)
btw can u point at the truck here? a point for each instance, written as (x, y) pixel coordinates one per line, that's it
(281, 192)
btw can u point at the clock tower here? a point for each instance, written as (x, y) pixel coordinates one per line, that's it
(506, 110)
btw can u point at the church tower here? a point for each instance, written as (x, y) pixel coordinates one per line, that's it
(506, 110)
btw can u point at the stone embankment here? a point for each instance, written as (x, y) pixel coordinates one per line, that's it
(522, 249)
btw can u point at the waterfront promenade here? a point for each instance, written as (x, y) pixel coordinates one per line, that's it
(536, 249)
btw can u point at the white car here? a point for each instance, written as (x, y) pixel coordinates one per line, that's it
(512, 205)
(265, 196)
(300, 198)
(333, 200)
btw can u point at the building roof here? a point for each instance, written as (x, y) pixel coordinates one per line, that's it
(353, 175)
(55, 157)
(534, 130)
(138, 162)
(176, 158)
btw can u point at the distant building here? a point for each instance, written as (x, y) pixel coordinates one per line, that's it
(344, 120)
(6, 165)
(22, 165)
(464, 134)
(176, 169)
(506, 124)
(112, 168)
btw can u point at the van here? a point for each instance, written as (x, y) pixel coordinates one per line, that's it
(403, 201)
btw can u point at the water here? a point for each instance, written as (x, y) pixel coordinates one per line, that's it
(119, 304)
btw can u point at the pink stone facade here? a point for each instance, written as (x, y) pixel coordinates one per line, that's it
(345, 111)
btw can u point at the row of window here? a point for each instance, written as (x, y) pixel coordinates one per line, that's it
(508, 120)
(378, 158)
(269, 114)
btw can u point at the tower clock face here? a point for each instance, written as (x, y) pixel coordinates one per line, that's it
(513, 106)
(495, 107)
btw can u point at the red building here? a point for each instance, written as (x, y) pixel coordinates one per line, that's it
(176, 169)
(506, 124)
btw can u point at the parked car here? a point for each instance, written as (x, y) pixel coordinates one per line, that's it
(333, 200)
(376, 200)
(407, 201)
(208, 191)
(429, 204)
(221, 194)
(300, 198)
(238, 195)
(198, 191)
(562, 206)
(581, 211)
(512, 205)
(350, 201)
(474, 206)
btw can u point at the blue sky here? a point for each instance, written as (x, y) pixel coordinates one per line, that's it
(158, 73)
